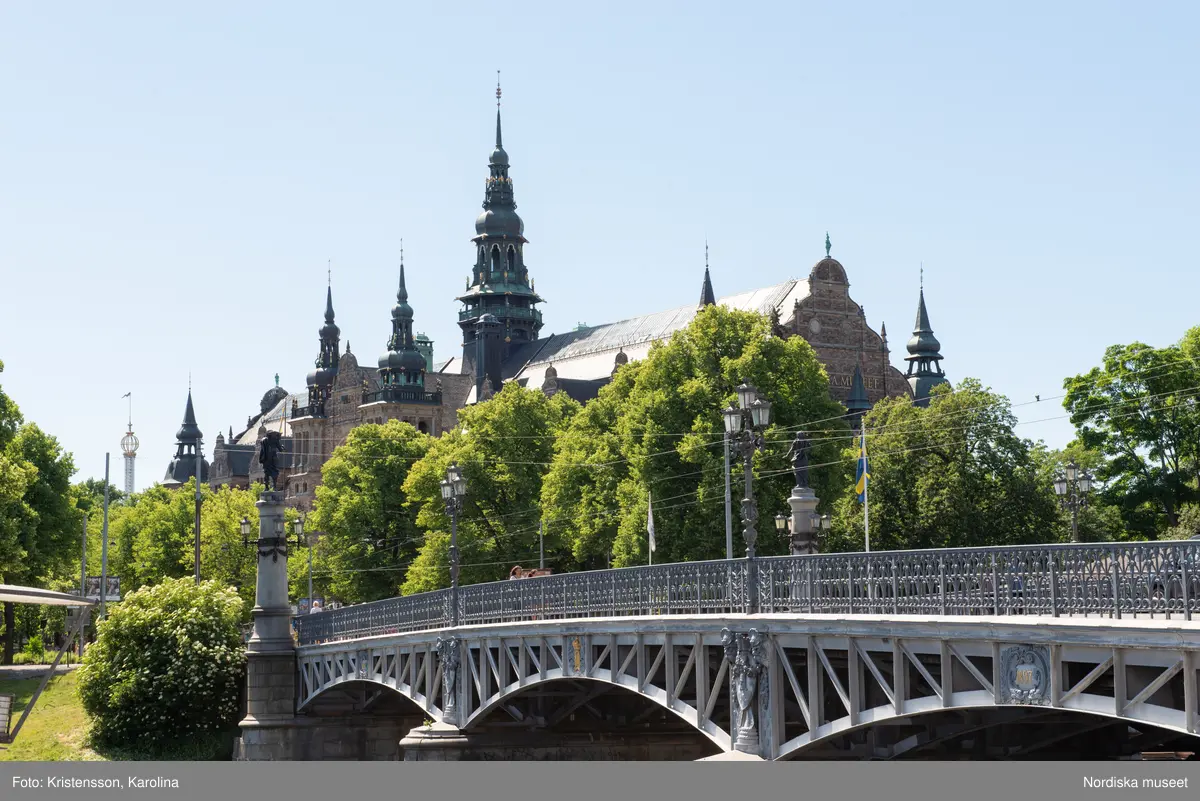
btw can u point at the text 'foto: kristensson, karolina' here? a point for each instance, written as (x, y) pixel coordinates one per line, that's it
(78, 783)
(1108, 782)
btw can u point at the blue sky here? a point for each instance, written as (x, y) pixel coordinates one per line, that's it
(175, 177)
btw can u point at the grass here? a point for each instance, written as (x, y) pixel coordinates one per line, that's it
(57, 730)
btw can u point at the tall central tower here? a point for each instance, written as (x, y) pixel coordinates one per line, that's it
(499, 283)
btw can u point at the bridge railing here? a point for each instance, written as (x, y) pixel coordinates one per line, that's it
(1113, 580)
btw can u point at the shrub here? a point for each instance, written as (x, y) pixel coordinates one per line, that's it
(35, 650)
(166, 667)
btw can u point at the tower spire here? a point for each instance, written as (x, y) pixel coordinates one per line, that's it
(500, 284)
(320, 380)
(707, 298)
(499, 137)
(403, 365)
(925, 357)
(187, 445)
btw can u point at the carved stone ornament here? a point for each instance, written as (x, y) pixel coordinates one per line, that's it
(745, 654)
(447, 650)
(364, 663)
(1025, 675)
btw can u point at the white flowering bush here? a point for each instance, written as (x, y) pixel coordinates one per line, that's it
(166, 667)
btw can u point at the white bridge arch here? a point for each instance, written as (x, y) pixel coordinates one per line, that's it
(815, 679)
(825, 647)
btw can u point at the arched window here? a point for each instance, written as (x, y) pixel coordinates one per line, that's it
(495, 258)
(424, 429)
(512, 259)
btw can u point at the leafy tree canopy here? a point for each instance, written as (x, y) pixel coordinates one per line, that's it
(657, 428)
(1139, 411)
(367, 532)
(953, 474)
(504, 447)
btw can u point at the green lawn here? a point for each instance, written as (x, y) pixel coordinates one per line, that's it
(56, 729)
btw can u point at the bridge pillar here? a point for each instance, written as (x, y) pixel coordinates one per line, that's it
(434, 742)
(269, 726)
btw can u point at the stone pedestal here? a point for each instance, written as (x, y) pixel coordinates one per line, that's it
(732, 756)
(804, 508)
(271, 654)
(436, 742)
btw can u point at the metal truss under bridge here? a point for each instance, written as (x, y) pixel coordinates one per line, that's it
(774, 656)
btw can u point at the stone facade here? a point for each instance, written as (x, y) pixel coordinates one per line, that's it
(837, 329)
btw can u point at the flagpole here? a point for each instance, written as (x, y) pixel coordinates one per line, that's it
(866, 494)
(650, 525)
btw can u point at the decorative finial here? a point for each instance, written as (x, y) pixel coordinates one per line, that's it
(922, 276)
(497, 88)
(706, 254)
(277, 379)
(402, 251)
(828, 246)
(329, 272)
(189, 382)
(347, 346)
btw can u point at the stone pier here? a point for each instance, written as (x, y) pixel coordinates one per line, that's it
(268, 730)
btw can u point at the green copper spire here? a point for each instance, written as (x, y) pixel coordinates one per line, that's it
(925, 357)
(500, 284)
(707, 298)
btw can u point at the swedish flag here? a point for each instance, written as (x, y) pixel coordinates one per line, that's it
(863, 474)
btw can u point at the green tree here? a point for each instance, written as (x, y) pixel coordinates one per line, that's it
(224, 558)
(504, 447)
(46, 521)
(953, 474)
(658, 428)
(1139, 411)
(166, 667)
(368, 535)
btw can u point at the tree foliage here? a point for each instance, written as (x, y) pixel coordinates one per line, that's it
(657, 428)
(367, 532)
(504, 447)
(1139, 410)
(166, 666)
(953, 474)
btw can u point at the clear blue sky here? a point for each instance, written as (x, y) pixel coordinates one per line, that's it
(175, 176)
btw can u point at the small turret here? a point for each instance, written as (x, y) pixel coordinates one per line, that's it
(403, 364)
(925, 357)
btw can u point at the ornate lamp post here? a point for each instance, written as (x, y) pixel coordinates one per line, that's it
(744, 424)
(1072, 487)
(454, 490)
(814, 523)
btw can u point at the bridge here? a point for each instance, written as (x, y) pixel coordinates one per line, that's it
(853, 655)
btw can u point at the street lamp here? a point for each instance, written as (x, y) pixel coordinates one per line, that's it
(1072, 486)
(454, 489)
(744, 425)
(816, 522)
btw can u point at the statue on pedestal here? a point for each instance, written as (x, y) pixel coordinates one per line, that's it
(801, 446)
(268, 456)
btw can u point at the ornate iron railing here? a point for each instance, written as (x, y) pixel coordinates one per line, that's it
(1113, 580)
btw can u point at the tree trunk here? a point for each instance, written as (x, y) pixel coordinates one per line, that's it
(10, 631)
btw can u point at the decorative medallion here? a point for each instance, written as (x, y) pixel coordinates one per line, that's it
(814, 325)
(1025, 674)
